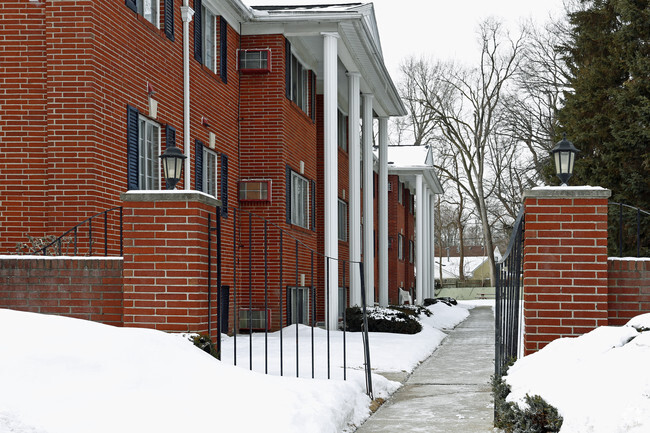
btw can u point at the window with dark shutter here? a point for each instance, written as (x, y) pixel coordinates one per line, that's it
(198, 165)
(288, 195)
(313, 205)
(287, 54)
(132, 133)
(131, 5)
(224, 185)
(223, 49)
(198, 37)
(169, 19)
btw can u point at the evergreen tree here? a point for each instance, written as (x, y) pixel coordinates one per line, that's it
(607, 112)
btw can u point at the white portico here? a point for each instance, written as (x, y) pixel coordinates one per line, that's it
(340, 44)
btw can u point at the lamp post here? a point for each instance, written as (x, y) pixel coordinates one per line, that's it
(564, 154)
(172, 161)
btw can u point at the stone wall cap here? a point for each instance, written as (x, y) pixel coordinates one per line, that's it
(173, 195)
(568, 192)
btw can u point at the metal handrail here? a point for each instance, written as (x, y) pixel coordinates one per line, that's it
(74, 230)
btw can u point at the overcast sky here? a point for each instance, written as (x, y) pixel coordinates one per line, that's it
(436, 28)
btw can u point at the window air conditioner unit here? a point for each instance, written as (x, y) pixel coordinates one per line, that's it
(254, 61)
(252, 319)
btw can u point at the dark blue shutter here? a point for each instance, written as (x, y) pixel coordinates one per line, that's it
(198, 166)
(131, 5)
(224, 185)
(287, 58)
(169, 19)
(313, 205)
(132, 151)
(313, 96)
(223, 49)
(288, 195)
(198, 34)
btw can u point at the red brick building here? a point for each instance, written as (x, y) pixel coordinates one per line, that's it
(273, 107)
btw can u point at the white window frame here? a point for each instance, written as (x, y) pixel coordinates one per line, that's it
(400, 246)
(343, 221)
(210, 172)
(300, 295)
(299, 84)
(150, 10)
(299, 200)
(209, 36)
(148, 154)
(342, 131)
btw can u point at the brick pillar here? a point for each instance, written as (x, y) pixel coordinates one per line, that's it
(565, 263)
(166, 260)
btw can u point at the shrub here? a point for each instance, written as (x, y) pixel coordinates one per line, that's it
(537, 417)
(382, 320)
(445, 300)
(204, 342)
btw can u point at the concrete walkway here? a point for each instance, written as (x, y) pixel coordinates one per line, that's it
(450, 391)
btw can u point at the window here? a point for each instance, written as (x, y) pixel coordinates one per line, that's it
(296, 80)
(149, 9)
(254, 190)
(343, 221)
(411, 251)
(210, 48)
(343, 301)
(343, 131)
(254, 61)
(149, 153)
(210, 174)
(298, 199)
(399, 192)
(298, 305)
(400, 247)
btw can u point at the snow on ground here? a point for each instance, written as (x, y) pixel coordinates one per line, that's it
(63, 375)
(599, 382)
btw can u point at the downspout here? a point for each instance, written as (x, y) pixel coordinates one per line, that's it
(186, 14)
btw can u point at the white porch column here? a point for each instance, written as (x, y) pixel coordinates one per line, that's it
(423, 211)
(383, 211)
(432, 243)
(354, 207)
(368, 208)
(419, 238)
(330, 106)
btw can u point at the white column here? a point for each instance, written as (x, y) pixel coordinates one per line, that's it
(330, 106)
(419, 238)
(354, 206)
(432, 243)
(186, 15)
(423, 208)
(368, 202)
(383, 211)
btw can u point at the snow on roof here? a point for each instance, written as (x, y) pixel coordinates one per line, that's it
(299, 5)
(408, 156)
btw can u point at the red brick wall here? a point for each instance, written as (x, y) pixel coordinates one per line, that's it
(628, 289)
(84, 288)
(72, 67)
(400, 220)
(565, 263)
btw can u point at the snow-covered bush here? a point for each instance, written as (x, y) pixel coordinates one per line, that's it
(383, 320)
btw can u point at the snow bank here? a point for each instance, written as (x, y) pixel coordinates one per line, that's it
(599, 382)
(63, 375)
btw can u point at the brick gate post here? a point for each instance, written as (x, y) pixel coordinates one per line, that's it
(166, 260)
(565, 263)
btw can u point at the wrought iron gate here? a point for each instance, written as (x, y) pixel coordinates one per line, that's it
(509, 291)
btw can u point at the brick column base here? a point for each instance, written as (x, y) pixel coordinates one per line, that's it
(565, 263)
(166, 260)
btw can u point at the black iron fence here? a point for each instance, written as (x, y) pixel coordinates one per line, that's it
(101, 234)
(274, 314)
(628, 231)
(509, 291)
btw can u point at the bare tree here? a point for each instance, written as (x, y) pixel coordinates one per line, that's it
(463, 114)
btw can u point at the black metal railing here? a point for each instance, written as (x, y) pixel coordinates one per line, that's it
(279, 286)
(509, 287)
(628, 231)
(104, 237)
